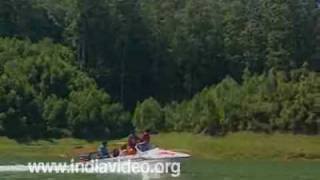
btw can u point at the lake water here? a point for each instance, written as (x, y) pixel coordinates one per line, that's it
(197, 169)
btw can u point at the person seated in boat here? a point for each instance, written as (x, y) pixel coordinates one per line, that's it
(103, 150)
(123, 150)
(115, 153)
(133, 139)
(144, 145)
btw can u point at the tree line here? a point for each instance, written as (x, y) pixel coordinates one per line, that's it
(65, 65)
(273, 101)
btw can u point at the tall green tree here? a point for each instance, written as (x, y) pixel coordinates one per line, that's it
(44, 94)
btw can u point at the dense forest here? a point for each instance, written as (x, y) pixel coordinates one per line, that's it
(101, 68)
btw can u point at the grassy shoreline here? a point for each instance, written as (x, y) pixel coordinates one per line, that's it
(243, 145)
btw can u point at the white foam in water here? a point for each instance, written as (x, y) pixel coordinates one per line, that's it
(24, 168)
(14, 168)
(150, 176)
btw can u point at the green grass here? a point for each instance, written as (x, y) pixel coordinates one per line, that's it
(233, 146)
(243, 145)
(55, 149)
(239, 156)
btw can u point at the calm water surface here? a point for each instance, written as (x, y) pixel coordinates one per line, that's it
(197, 169)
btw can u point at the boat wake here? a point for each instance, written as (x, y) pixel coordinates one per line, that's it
(25, 169)
(14, 168)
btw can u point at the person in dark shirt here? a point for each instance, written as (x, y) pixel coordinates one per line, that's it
(103, 150)
(133, 140)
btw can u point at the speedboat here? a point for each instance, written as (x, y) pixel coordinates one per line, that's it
(158, 161)
(154, 154)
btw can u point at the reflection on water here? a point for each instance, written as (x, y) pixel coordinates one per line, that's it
(206, 170)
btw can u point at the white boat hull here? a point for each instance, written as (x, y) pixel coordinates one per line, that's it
(153, 155)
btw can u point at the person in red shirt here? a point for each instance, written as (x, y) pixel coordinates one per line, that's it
(146, 136)
(144, 145)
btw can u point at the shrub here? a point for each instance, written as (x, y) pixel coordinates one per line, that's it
(148, 115)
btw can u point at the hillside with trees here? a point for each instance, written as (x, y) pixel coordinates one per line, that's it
(100, 68)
